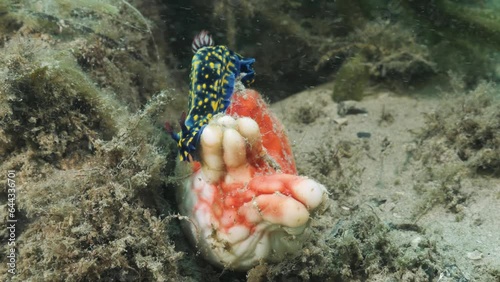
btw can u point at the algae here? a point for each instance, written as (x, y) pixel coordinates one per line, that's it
(433, 206)
(90, 158)
(81, 105)
(307, 114)
(460, 141)
(356, 249)
(404, 43)
(351, 80)
(41, 92)
(303, 44)
(336, 166)
(471, 128)
(461, 37)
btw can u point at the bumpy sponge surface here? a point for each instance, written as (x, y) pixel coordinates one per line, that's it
(244, 198)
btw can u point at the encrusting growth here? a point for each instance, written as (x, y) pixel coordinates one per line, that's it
(241, 209)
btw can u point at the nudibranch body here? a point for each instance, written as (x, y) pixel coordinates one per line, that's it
(214, 71)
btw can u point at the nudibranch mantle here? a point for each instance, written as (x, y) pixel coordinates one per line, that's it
(214, 71)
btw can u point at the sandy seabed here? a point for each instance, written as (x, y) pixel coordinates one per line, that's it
(414, 185)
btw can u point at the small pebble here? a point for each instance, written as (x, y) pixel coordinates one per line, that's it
(475, 255)
(416, 242)
(364, 134)
(340, 121)
(350, 108)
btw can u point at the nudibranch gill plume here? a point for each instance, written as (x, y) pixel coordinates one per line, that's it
(214, 72)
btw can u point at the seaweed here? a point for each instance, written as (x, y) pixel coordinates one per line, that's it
(335, 166)
(442, 186)
(81, 102)
(460, 141)
(307, 114)
(460, 37)
(351, 80)
(404, 43)
(299, 44)
(41, 92)
(90, 158)
(106, 37)
(99, 219)
(471, 127)
(357, 249)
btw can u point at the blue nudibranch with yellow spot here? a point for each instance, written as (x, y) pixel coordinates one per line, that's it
(214, 71)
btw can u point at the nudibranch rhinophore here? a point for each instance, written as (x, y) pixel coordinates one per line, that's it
(243, 197)
(214, 71)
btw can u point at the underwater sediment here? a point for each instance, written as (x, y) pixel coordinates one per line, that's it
(86, 86)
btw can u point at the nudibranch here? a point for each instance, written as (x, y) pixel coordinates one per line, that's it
(214, 71)
(242, 195)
